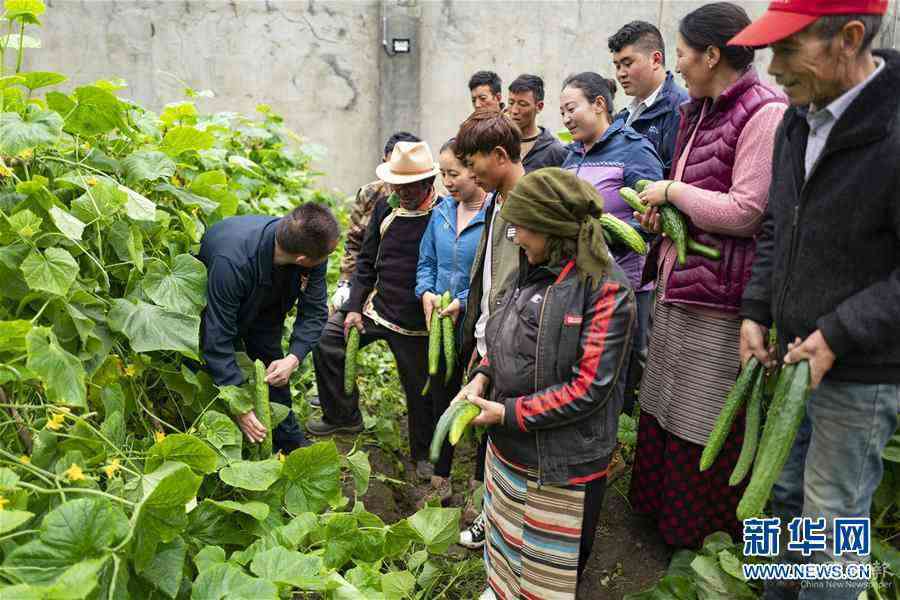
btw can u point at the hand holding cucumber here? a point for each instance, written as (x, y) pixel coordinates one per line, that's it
(491, 412)
(815, 349)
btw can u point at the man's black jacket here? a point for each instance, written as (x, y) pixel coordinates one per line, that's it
(238, 254)
(546, 152)
(828, 256)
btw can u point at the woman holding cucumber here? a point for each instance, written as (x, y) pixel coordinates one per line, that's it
(446, 254)
(720, 178)
(559, 335)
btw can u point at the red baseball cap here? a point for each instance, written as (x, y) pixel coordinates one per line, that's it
(787, 17)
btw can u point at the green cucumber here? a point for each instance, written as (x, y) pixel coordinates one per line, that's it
(350, 360)
(434, 343)
(674, 226)
(641, 185)
(623, 233)
(632, 199)
(462, 420)
(262, 409)
(703, 250)
(442, 429)
(733, 402)
(448, 340)
(751, 430)
(774, 454)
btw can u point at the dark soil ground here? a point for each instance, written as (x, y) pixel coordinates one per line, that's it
(628, 554)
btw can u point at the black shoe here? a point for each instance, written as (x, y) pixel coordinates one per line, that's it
(323, 427)
(314, 401)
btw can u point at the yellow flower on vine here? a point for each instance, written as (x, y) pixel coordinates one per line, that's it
(74, 473)
(112, 467)
(91, 181)
(25, 459)
(159, 436)
(3, 502)
(5, 171)
(130, 371)
(26, 154)
(280, 456)
(56, 422)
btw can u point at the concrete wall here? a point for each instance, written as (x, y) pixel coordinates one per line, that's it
(322, 65)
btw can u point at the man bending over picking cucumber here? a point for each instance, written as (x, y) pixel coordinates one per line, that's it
(826, 273)
(383, 305)
(258, 268)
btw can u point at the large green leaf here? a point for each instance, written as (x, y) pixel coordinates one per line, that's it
(184, 138)
(12, 335)
(96, 112)
(61, 373)
(209, 557)
(25, 224)
(137, 206)
(177, 111)
(161, 511)
(188, 198)
(40, 79)
(438, 528)
(256, 475)
(398, 585)
(147, 165)
(180, 287)
(165, 570)
(11, 519)
(314, 478)
(79, 529)
(214, 185)
(185, 448)
(289, 568)
(19, 8)
(358, 463)
(151, 328)
(228, 582)
(257, 510)
(38, 128)
(100, 201)
(127, 241)
(75, 583)
(68, 225)
(218, 429)
(53, 271)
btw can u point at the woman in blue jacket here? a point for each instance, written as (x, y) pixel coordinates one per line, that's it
(445, 260)
(609, 155)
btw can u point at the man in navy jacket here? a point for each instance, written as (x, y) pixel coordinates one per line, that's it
(258, 267)
(639, 56)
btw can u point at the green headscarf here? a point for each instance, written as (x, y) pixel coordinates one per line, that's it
(559, 204)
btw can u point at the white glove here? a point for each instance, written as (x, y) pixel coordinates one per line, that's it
(341, 295)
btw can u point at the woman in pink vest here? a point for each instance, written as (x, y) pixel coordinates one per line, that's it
(719, 180)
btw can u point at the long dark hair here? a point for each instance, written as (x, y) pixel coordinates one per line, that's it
(593, 85)
(713, 25)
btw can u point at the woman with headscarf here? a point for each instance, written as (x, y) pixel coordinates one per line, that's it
(559, 337)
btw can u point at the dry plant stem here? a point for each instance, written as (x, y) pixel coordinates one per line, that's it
(21, 427)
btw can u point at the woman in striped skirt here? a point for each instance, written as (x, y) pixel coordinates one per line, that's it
(558, 339)
(720, 179)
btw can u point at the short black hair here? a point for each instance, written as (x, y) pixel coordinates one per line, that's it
(593, 85)
(486, 78)
(828, 26)
(310, 230)
(486, 129)
(642, 34)
(400, 136)
(528, 83)
(713, 25)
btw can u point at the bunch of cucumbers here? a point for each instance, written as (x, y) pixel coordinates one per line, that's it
(673, 223)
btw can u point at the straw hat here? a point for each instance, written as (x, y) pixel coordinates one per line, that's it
(410, 161)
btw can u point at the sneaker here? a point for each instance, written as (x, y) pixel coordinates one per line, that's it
(473, 537)
(487, 594)
(441, 491)
(323, 427)
(314, 401)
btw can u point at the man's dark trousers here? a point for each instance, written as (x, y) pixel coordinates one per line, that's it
(411, 354)
(264, 343)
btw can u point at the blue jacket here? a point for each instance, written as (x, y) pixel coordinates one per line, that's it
(238, 254)
(620, 158)
(659, 123)
(445, 258)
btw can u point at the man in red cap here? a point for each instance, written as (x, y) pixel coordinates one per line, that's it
(827, 267)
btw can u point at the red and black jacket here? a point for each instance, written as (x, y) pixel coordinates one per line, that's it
(556, 347)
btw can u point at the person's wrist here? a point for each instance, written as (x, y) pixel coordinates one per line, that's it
(666, 192)
(294, 359)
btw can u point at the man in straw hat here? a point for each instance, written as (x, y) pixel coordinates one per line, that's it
(826, 273)
(383, 303)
